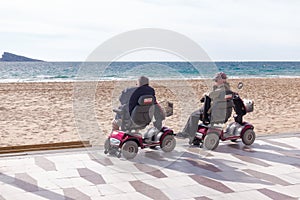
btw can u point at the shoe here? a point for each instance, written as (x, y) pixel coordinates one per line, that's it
(191, 140)
(182, 135)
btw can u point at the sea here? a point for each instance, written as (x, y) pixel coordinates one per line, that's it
(90, 71)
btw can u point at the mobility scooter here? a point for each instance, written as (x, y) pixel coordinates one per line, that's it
(126, 142)
(209, 133)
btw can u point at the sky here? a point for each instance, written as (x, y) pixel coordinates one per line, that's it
(228, 30)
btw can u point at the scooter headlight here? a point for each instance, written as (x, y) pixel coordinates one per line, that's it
(114, 141)
(249, 104)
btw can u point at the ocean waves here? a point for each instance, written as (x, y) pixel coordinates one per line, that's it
(72, 71)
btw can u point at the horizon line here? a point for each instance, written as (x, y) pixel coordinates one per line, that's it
(186, 61)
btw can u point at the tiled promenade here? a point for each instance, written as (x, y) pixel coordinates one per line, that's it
(269, 169)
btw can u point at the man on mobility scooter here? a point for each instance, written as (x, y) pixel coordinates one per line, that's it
(217, 98)
(142, 109)
(216, 111)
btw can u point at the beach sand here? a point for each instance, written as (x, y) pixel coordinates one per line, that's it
(36, 113)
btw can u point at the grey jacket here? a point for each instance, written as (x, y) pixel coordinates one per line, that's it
(221, 108)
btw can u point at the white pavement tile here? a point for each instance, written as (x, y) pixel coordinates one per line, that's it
(62, 182)
(34, 169)
(95, 166)
(199, 190)
(71, 173)
(142, 176)
(82, 156)
(91, 191)
(123, 167)
(128, 196)
(279, 170)
(98, 198)
(124, 187)
(246, 195)
(172, 172)
(78, 182)
(26, 160)
(20, 168)
(291, 190)
(178, 193)
(157, 183)
(47, 184)
(9, 190)
(109, 189)
(4, 169)
(233, 162)
(26, 195)
(188, 199)
(245, 186)
(50, 175)
(69, 164)
(293, 178)
(119, 177)
(292, 141)
(179, 181)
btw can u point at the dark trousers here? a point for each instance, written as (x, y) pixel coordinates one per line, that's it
(192, 124)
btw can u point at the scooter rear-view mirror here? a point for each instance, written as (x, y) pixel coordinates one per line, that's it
(240, 85)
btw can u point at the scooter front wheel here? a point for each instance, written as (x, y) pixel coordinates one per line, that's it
(129, 149)
(248, 137)
(168, 143)
(211, 141)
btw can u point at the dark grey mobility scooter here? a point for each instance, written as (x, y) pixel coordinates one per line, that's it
(209, 133)
(126, 142)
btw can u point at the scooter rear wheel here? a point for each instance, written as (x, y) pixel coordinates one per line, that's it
(168, 143)
(211, 141)
(248, 137)
(129, 149)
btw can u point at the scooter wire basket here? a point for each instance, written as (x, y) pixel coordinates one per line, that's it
(167, 108)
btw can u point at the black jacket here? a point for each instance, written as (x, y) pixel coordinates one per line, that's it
(140, 91)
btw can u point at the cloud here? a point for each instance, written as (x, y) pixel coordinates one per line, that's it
(57, 28)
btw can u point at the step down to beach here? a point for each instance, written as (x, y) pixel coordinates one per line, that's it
(40, 147)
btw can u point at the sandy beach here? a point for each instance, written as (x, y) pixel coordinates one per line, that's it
(36, 113)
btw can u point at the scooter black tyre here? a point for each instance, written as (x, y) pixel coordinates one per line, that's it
(129, 149)
(211, 141)
(248, 137)
(168, 143)
(106, 146)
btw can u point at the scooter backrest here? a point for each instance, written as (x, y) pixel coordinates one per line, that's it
(142, 113)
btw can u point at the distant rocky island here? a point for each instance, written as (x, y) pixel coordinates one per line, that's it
(9, 57)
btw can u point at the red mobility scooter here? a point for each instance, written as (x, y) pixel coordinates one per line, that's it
(126, 142)
(209, 134)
